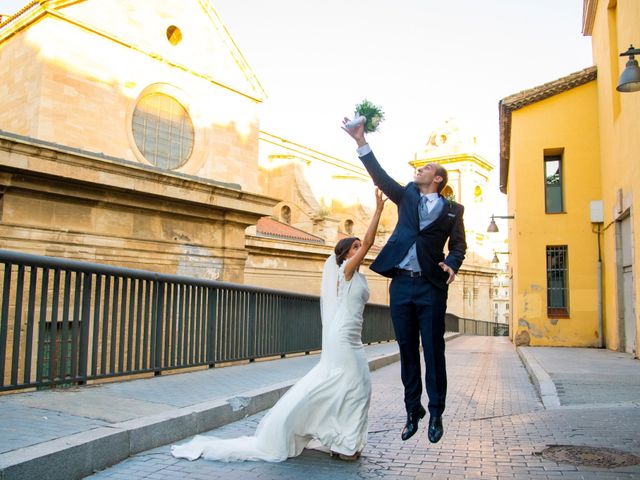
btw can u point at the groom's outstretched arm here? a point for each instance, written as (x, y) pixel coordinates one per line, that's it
(381, 178)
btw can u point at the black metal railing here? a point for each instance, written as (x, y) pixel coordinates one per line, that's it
(468, 326)
(67, 322)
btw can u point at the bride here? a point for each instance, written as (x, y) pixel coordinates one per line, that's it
(330, 404)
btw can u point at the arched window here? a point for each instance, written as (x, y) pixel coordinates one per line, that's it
(285, 214)
(477, 194)
(348, 227)
(162, 130)
(447, 192)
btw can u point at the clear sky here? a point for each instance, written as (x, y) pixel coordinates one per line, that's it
(422, 61)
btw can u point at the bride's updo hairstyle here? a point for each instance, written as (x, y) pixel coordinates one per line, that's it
(342, 248)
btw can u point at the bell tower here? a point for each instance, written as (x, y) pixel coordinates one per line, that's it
(455, 148)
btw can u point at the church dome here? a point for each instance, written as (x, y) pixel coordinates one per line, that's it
(450, 138)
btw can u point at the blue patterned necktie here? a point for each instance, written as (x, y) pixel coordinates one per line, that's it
(424, 211)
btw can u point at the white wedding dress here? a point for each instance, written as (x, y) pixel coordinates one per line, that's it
(329, 405)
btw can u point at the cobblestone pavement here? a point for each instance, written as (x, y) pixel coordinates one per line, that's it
(495, 427)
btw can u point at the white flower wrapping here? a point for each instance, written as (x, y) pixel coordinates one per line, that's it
(356, 121)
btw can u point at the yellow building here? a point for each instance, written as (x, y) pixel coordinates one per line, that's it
(553, 144)
(613, 26)
(569, 166)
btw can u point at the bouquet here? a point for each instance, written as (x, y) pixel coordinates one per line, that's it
(369, 114)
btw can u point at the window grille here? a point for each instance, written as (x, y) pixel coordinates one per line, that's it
(163, 131)
(557, 281)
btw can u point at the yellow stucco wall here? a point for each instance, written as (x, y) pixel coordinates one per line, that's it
(617, 24)
(566, 121)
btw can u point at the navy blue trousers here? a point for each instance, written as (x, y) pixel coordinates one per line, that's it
(417, 311)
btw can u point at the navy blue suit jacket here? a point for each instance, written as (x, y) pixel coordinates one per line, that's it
(429, 241)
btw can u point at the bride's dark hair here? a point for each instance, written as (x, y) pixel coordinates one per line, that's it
(343, 247)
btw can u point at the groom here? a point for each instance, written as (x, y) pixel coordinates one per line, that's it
(413, 257)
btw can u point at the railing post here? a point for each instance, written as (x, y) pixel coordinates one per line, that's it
(85, 322)
(4, 318)
(158, 318)
(212, 306)
(17, 326)
(251, 333)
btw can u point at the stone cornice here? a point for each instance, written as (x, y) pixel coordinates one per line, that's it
(24, 17)
(257, 244)
(138, 184)
(310, 155)
(528, 97)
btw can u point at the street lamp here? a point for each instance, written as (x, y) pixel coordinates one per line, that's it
(495, 256)
(493, 228)
(630, 78)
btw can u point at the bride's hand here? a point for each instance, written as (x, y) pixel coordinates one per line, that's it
(380, 199)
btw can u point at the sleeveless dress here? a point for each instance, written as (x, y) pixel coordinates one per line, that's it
(329, 405)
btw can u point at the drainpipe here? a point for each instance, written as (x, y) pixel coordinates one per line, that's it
(600, 329)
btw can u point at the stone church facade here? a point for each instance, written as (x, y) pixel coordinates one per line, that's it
(129, 136)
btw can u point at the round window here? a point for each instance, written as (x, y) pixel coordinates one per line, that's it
(163, 131)
(174, 35)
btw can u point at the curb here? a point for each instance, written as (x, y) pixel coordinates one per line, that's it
(540, 378)
(76, 456)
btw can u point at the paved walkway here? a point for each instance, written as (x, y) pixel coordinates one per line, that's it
(56, 434)
(500, 417)
(496, 425)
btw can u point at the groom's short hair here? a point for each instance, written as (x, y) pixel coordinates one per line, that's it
(441, 172)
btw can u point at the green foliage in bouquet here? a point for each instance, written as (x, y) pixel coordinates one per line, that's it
(372, 113)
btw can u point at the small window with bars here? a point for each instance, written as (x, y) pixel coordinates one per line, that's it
(557, 281)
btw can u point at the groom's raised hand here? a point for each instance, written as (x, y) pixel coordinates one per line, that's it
(356, 132)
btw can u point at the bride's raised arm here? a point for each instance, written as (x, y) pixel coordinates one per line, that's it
(354, 262)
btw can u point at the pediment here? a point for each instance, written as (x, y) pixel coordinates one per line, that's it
(186, 33)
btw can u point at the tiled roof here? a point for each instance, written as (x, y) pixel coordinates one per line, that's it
(270, 227)
(527, 97)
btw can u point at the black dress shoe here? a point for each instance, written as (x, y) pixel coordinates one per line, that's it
(411, 426)
(435, 429)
